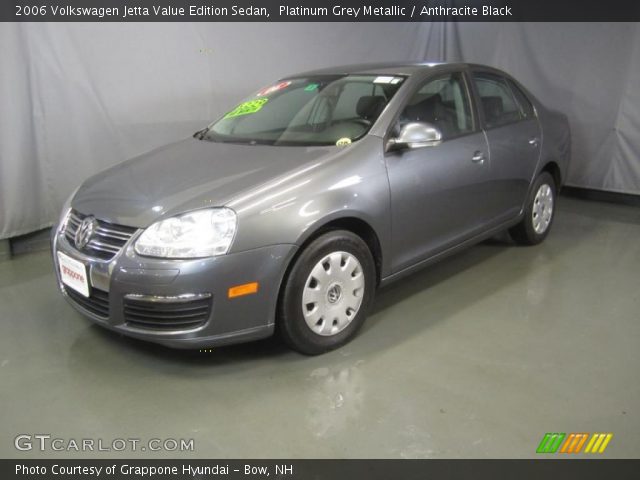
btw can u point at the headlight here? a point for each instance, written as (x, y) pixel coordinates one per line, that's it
(203, 233)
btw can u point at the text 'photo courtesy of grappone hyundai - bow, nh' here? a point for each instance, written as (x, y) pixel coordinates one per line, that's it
(286, 214)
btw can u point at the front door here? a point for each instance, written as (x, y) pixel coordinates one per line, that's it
(438, 193)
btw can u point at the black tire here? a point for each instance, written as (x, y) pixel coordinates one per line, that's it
(291, 323)
(524, 233)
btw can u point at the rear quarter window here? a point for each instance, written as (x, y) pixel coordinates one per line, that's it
(526, 107)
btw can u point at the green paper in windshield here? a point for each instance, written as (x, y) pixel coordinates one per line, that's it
(311, 87)
(246, 108)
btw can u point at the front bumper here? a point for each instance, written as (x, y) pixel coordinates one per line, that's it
(119, 283)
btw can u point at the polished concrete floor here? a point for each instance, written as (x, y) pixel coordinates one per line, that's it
(477, 356)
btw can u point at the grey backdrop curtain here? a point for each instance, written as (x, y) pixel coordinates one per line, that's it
(78, 98)
(590, 71)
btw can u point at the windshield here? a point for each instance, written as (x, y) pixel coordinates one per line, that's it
(318, 110)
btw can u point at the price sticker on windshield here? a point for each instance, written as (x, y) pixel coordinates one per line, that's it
(246, 108)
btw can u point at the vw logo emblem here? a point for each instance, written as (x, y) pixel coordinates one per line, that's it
(85, 231)
(334, 294)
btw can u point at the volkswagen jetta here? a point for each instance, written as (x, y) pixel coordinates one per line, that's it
(289, 211)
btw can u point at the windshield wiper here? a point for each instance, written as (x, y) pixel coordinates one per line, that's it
(201, 133)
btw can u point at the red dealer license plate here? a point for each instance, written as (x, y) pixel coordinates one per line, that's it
(73, 274)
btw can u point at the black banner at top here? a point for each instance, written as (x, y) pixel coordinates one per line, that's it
(319, 10)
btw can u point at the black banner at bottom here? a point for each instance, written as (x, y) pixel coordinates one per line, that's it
(317, 469)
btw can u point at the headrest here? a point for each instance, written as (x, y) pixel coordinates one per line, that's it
(434, 100)
(492, 107)
(370, 106)
(425, 111)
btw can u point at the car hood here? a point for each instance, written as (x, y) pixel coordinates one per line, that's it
(188, 175)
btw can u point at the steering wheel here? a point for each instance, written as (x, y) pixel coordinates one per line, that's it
(361, 121)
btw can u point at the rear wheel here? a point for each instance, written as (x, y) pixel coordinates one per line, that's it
(327, 293)
(539, 212)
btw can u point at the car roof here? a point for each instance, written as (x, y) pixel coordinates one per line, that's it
(399, 68)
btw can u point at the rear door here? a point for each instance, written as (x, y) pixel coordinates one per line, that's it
(513, 133)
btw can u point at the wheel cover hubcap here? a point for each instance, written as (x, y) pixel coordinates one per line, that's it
(333, 293)
(542, 208)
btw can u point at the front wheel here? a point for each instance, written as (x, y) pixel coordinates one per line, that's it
(538, 213)
(327, 293)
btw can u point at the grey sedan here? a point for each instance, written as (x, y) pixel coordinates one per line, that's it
(288, 212)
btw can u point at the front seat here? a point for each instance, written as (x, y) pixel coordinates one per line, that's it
(369, 107)
(434, 111)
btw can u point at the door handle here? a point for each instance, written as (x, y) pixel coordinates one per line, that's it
(533, 141)
(478, 157)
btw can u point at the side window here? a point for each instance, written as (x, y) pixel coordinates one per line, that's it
(526, 108)
(496, 100)
(442, 102)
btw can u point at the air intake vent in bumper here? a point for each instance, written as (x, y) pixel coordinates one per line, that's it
(185, 312)
(97, 303)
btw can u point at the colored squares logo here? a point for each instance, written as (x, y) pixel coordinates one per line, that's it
(550, 442)
(598, 443)
(574, 442)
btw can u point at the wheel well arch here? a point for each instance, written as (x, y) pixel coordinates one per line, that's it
(355, 225)
(553, 169)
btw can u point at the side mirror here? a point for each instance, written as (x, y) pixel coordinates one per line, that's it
(416, 135)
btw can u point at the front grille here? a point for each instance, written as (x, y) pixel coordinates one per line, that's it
(170, 313)
(97, 302)
(107, 240)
